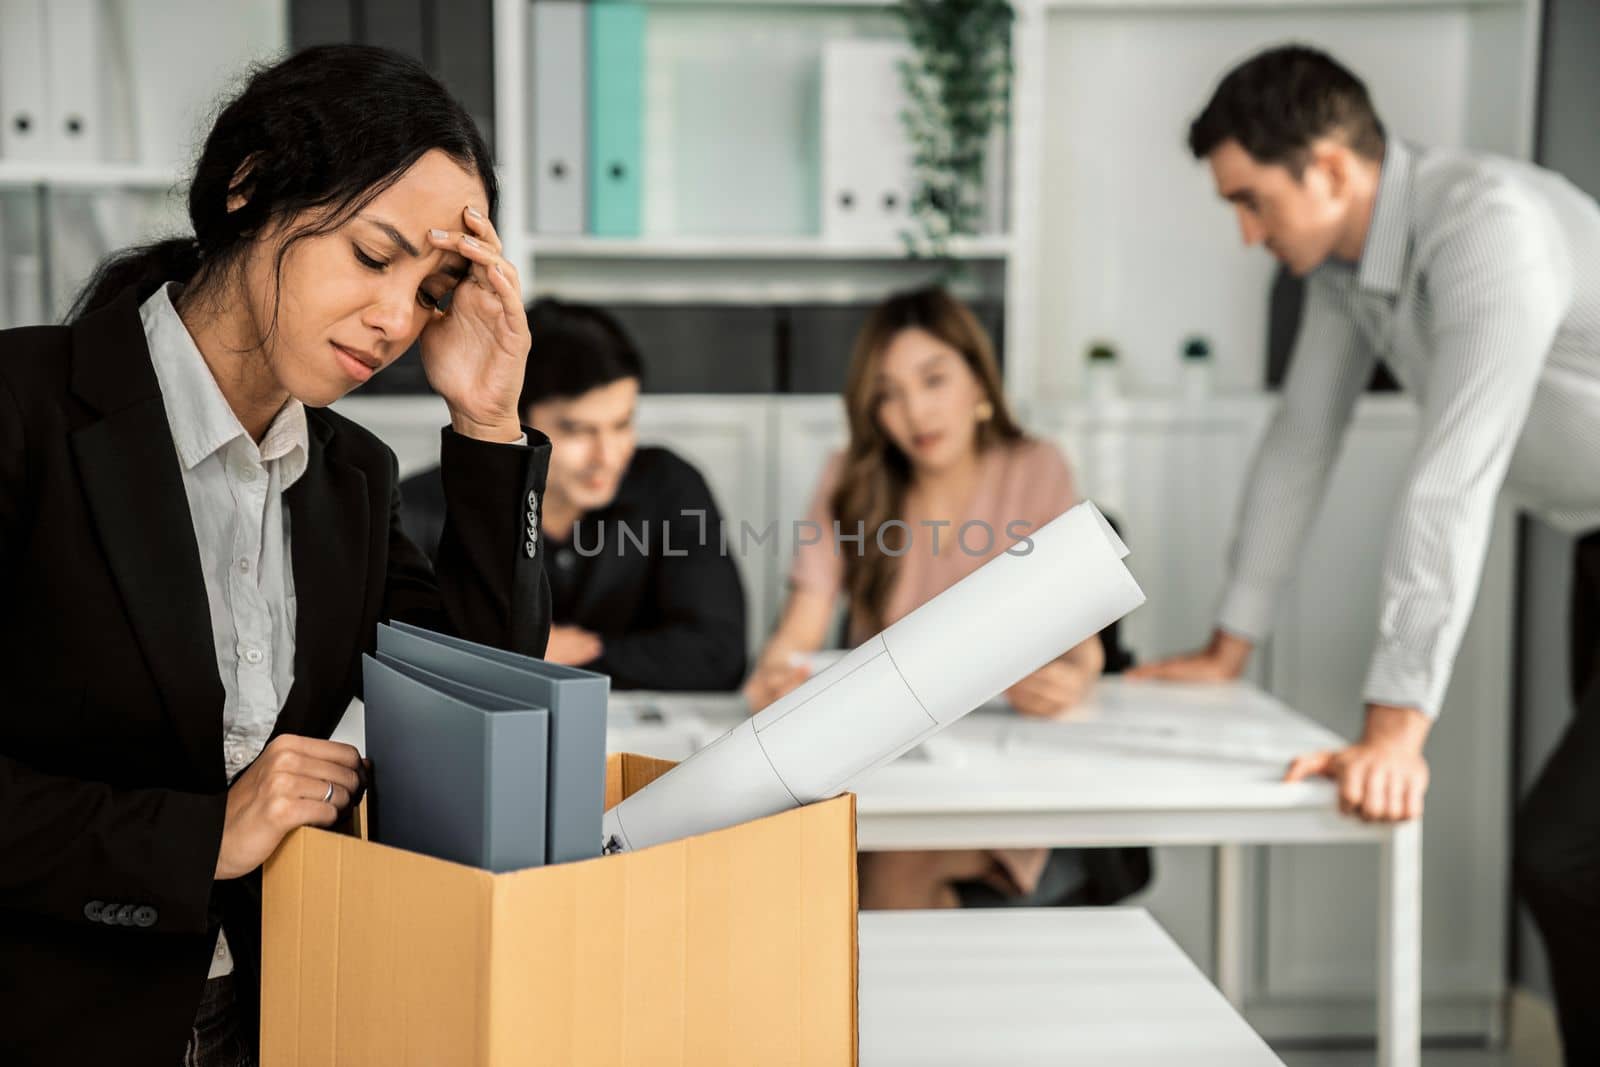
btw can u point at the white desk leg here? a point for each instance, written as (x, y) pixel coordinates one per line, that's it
(1400, 949)
(1230, 923)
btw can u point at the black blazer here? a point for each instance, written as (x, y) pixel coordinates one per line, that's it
(112, 790)
(670, 621)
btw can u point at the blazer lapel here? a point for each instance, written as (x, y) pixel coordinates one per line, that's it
(330, 520)
(133, 484)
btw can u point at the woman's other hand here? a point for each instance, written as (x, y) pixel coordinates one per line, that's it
(1056, 687)
(774, 678)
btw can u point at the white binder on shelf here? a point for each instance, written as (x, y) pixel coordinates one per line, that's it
(75, 62)
(866, 156)
(23, 105)
(560, 113)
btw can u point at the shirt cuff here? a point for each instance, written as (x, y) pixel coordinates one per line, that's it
(522, 440)
(1396, 679)
(1246, 611)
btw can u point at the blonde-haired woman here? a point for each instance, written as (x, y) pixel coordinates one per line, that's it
(937, 463)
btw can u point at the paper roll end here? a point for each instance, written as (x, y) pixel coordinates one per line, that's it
(1117, 544)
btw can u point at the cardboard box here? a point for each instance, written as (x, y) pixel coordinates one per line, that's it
(732, 948)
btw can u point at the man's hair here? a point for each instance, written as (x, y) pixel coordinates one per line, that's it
(576, 348)
(1277, 103)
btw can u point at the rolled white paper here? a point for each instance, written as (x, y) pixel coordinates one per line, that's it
(970, 643)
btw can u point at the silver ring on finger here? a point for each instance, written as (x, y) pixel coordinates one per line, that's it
(327, 798)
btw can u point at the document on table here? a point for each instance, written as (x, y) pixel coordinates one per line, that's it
(1215, 722)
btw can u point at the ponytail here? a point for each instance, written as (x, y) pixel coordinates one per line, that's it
(144, 269)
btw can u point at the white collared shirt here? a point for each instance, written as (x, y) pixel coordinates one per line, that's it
(1479, 287)
(241, 527)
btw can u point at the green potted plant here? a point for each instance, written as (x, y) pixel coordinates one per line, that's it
(958, 83)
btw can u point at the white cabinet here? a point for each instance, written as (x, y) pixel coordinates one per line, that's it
(1170, 475)
(408, 424)
(728, 438)
(1173, 476)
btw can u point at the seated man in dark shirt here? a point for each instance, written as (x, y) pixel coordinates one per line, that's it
(641, 589)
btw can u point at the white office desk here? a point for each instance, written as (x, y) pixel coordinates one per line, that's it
(1106, 987)
(1143, 764)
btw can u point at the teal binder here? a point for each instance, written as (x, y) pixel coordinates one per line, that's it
(616, 101)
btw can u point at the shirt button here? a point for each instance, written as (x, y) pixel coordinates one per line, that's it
(252, 656)
(246, 473)
(244, 566)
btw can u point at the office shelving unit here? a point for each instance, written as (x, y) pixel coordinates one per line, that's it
(135, 176)
(153, 71)
(782, 267)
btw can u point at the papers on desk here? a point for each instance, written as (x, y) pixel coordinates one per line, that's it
(1235, 722)
(1226, 722)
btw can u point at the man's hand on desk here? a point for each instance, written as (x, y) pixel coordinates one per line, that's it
(1383, 777)
(1223, 660)
(573, 646)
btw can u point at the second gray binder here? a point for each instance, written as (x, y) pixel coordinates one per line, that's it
(577, 703)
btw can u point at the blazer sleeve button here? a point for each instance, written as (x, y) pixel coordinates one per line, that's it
(125, 915)
(91, 910)
(144, 917)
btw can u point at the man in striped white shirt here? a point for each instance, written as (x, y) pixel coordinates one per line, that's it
(1476, 280)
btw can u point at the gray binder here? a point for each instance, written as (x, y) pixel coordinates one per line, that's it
(560, 116)
(577, 703)
(459, 773)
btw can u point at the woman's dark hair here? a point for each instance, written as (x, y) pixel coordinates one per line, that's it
(577, 347)
(1277, 103)
(325, 131)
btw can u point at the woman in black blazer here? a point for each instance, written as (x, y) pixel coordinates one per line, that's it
(340, 211)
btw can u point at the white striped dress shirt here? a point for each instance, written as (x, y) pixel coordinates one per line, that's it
(241, 526)
(1479, 287)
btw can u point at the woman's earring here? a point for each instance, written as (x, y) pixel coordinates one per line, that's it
(985, 411)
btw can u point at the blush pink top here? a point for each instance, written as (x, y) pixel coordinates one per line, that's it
(1021, 486)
